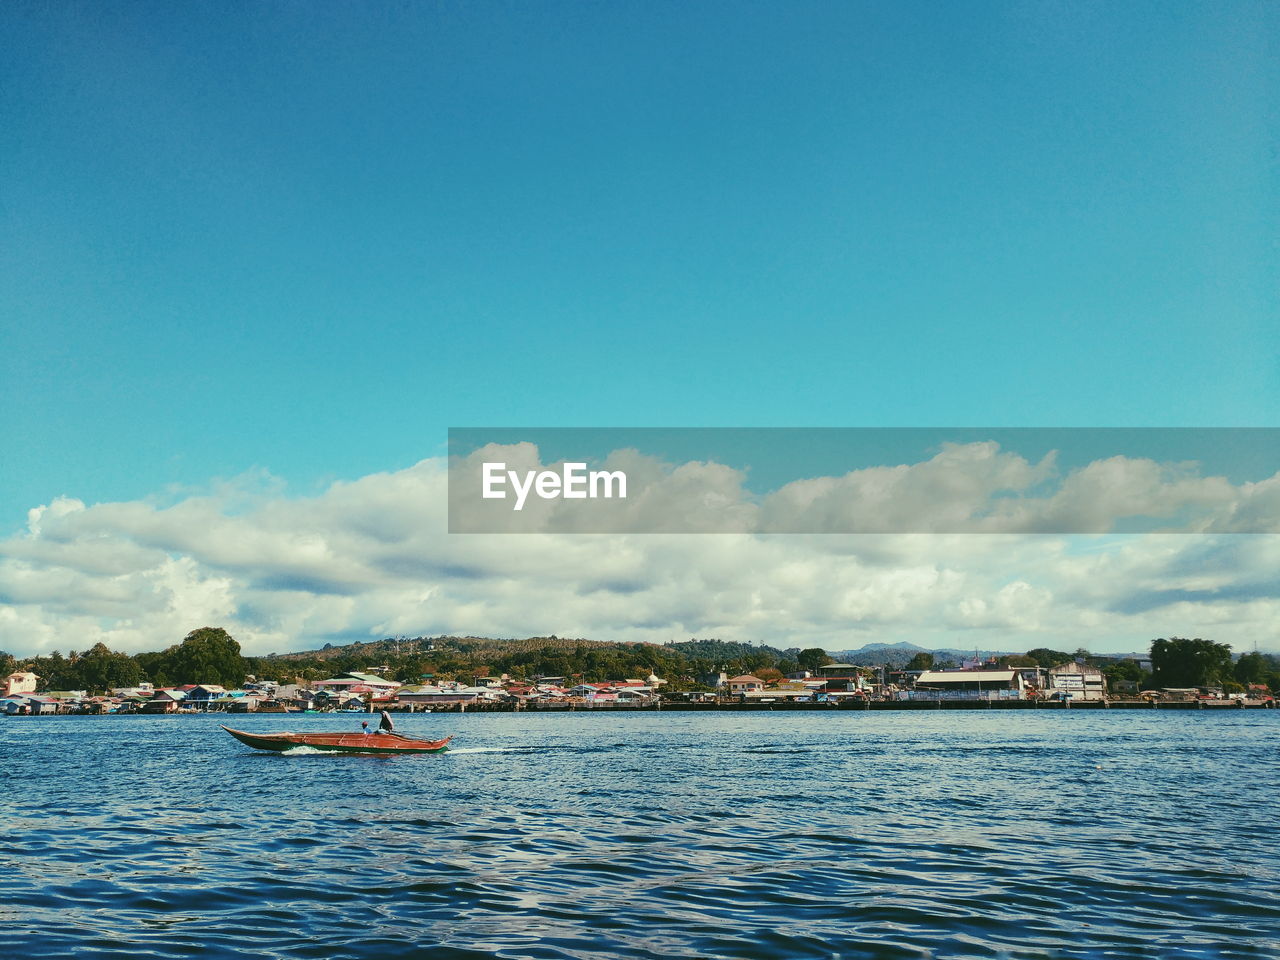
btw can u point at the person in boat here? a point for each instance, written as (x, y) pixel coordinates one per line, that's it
(364, 726)
(385, 725)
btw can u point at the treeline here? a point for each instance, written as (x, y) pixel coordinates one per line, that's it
(211, 655)
(207, 655)
(1175, 662)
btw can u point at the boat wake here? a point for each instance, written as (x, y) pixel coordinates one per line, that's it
(456, 750)
(303, 751)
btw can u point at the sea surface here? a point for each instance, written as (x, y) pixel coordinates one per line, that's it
(939, 834)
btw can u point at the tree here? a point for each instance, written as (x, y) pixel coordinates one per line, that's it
(1179, 662)
(921, 661)
(812, 659)
(1017, 660)
(56, 672)
(1127, 671)
(207, 655)
(1044, 657)
(100, 669)
(1251, 668)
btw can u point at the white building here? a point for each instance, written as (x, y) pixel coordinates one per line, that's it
(1079, 681)
(22, 681)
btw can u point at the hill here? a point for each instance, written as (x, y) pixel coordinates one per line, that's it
(408, 658)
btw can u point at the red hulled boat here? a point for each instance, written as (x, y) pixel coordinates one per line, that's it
(340, 742)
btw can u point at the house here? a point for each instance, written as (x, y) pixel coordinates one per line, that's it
(164, 701)
(67, 695)
(445, 693)
(20, 681)
(133, 703)
(633, 695)
(357, 683)
(1077, 681)
(841, 676)
(43, 705)
(745, 683)
(144, 690)
(204, 694)
(292, 693)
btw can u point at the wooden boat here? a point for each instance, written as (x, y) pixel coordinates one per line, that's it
(340, 742)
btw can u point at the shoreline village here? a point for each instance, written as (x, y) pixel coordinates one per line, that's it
(572, 482)
(206, 673)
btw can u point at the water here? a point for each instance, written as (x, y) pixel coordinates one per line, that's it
(781, 835)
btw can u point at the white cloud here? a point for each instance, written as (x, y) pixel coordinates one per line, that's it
(372, 558)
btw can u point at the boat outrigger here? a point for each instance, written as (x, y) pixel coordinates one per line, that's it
(340, 742)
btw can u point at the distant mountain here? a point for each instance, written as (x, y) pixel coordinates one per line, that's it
(900, 645)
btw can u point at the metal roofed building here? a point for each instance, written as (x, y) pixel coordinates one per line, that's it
(351, 681)
(971, 685)
(837, 670)
(843, 677)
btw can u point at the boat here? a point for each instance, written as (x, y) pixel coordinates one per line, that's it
(340, 742)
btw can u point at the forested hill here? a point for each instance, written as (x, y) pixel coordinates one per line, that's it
(408, 659)
(723, 651)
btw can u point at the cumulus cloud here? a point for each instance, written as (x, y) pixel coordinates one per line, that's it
(372, 558)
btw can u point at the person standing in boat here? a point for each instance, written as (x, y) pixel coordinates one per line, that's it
(385, 725)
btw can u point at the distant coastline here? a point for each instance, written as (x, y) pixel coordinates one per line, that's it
(207, 672)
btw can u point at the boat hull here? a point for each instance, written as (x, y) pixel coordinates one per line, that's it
(339, 742)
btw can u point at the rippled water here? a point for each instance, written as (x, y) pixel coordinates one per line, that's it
(938, 834)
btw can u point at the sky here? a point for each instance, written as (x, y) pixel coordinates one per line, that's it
(257, 258)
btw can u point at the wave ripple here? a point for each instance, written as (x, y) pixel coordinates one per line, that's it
(722, 836)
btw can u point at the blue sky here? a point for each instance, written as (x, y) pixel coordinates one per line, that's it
(309, 237)
(259, 257)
